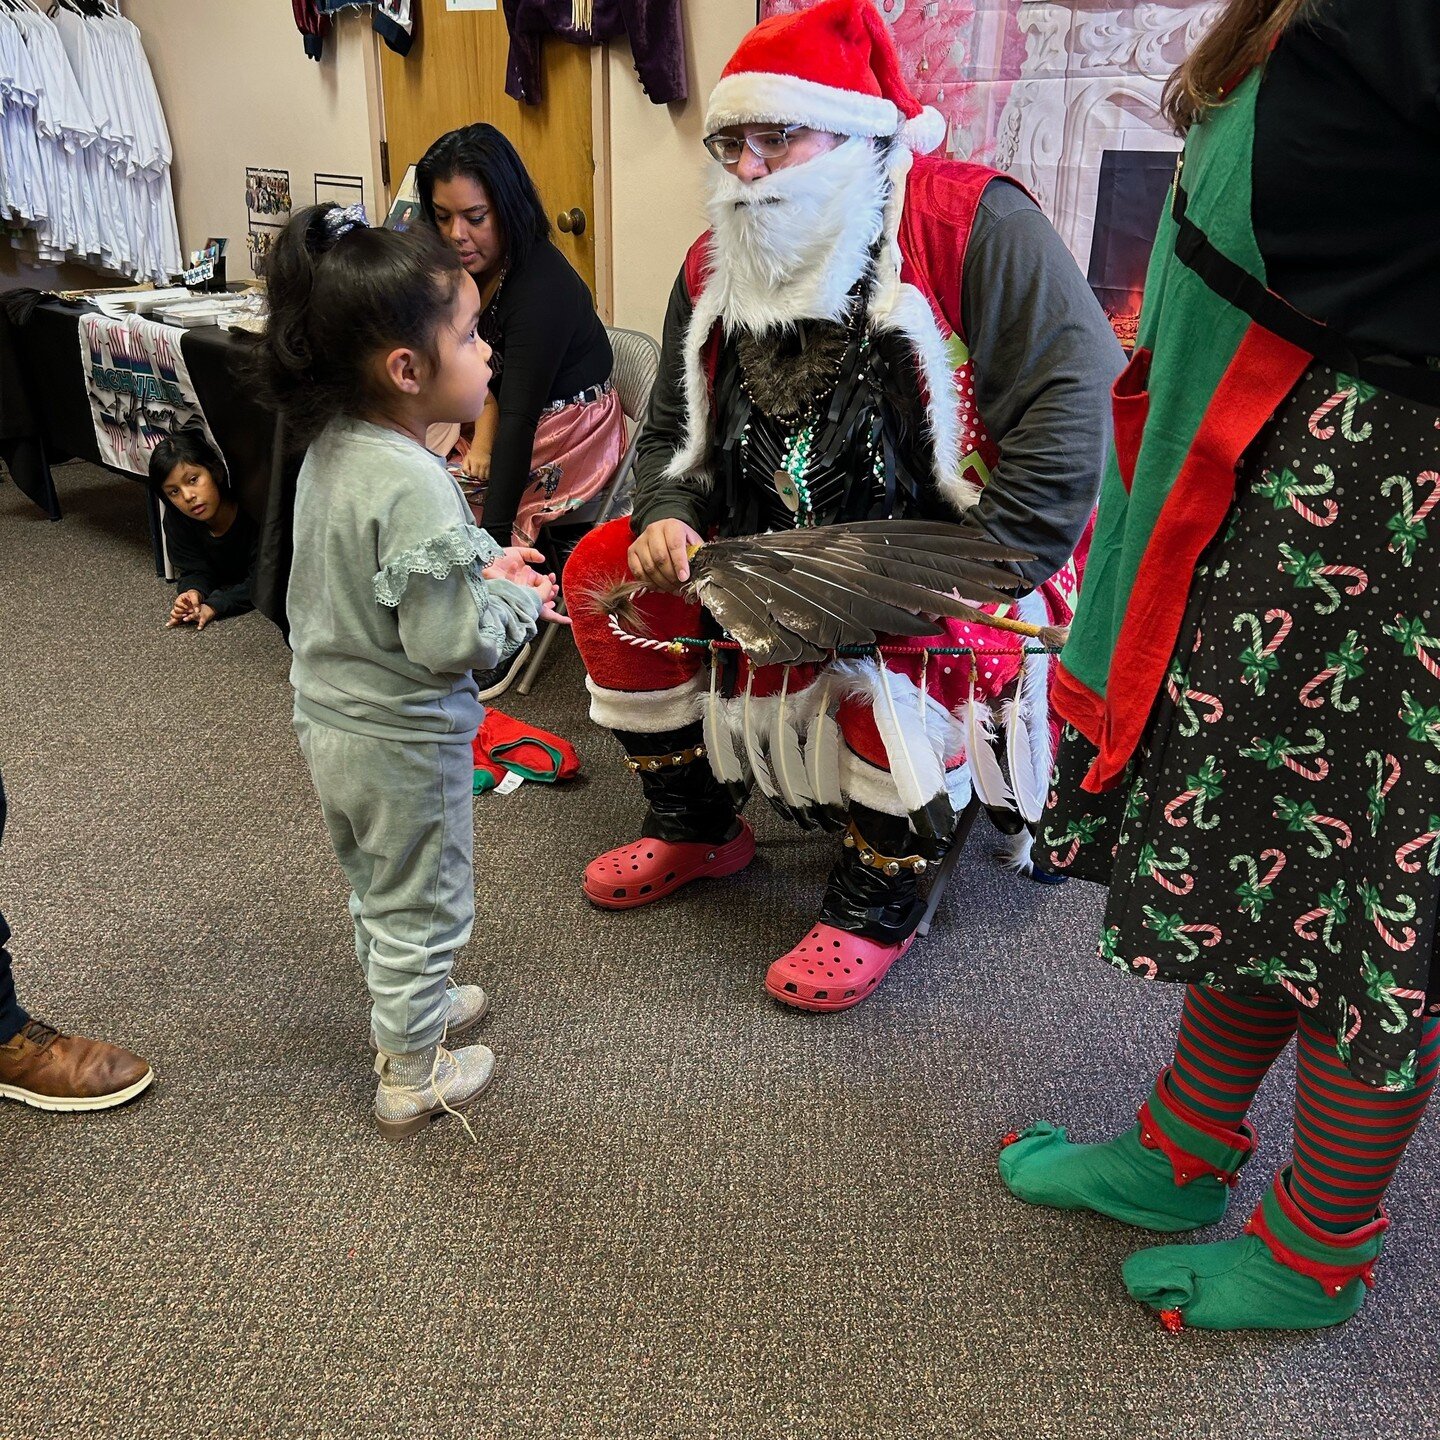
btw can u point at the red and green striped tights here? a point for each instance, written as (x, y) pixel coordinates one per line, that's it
(1349, 1136)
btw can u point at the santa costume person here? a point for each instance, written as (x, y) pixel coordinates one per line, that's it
(865, 332)
(1254, 763)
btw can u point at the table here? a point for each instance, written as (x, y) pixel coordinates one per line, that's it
(45, 418)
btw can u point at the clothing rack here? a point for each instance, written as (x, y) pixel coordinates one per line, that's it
(92, 8)
(86, 165)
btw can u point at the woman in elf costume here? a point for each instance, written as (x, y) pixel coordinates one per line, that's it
(1251, 686)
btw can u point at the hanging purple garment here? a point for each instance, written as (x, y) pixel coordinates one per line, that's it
(652, 25)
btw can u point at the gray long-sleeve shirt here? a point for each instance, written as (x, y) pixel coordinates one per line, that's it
(389, 612)
(1044, 359)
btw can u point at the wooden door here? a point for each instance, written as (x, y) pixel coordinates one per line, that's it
(455, 75)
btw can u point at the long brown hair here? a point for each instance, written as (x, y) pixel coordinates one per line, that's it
(1240, 38)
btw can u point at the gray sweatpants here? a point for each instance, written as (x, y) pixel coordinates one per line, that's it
(401, 819)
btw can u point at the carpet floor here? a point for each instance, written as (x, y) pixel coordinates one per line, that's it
(691, 1212)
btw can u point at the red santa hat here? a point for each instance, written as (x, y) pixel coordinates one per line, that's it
(832, 67)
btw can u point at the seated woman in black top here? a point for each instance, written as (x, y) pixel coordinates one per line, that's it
(554, 432)
(211, 540)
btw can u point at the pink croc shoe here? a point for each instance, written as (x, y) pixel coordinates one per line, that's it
(831, 969)
(649, 870)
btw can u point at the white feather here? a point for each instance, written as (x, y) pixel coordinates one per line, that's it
(1027, 788)
(918, 769)
(985, 772)
(753, 736)
(1013, 852)
(785, 755)
(822, 747)
(726, 763)
(1027, 739)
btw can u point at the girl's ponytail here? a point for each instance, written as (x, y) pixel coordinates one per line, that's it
(289, 282)
(338, 292)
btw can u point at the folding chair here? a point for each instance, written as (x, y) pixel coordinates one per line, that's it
(943, 876)
(637, 361)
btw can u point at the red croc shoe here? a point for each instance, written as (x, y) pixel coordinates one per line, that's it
(831, 969)
(649, 870)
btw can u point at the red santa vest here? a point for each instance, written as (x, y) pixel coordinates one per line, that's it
(936, 222)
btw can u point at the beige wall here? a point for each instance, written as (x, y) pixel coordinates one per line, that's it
(16, 273)
(238, 90)
(657, 163)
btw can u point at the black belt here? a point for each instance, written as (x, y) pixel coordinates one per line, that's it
(1236, 285)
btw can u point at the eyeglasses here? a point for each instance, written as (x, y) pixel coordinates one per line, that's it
(763, 144)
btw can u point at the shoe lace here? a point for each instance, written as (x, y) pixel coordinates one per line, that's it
(39, 1034)
(440, 1094)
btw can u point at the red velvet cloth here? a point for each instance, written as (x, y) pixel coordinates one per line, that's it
(311, 24)
(505, 743)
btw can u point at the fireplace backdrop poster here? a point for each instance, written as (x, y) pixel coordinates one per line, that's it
(1065, 97)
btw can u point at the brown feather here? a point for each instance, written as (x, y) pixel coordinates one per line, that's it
(972, 582)
(616, 600)
(797, 594)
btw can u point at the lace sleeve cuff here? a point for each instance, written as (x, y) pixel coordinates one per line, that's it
(438, 556)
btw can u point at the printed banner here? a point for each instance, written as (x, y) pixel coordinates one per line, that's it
(139, 387)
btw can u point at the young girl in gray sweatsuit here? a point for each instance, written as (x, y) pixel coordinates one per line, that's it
(395, 597)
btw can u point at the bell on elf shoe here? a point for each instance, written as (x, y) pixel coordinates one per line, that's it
(867, 920)
(691, 830)
(1284, 1273)
(1172, 1170)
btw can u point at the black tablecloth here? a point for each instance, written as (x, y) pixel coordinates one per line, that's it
(45, 418)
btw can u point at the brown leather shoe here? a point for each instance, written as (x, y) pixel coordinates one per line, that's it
(51, 1071)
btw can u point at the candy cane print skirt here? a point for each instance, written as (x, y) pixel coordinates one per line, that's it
(1278, 832)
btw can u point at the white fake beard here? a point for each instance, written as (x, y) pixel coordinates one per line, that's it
(791, 246)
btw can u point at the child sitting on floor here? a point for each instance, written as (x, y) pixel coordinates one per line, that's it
(395, 598)
(211, 540)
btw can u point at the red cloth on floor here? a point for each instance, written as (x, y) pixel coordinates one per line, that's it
(504, 743)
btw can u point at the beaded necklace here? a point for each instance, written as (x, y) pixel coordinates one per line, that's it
(790, 476)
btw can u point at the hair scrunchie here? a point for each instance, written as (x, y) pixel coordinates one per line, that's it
(340, 222)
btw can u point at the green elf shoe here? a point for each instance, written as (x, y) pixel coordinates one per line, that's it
(1170, 1171)
(1283, 1273)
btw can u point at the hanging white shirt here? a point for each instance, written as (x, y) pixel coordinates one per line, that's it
(24, 178)
(65, 129)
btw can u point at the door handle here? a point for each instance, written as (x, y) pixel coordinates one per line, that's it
(571, 222)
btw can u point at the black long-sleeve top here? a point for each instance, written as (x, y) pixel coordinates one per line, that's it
(1044, 356)
(218, 566)
(1347, 171)
(551, 346)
